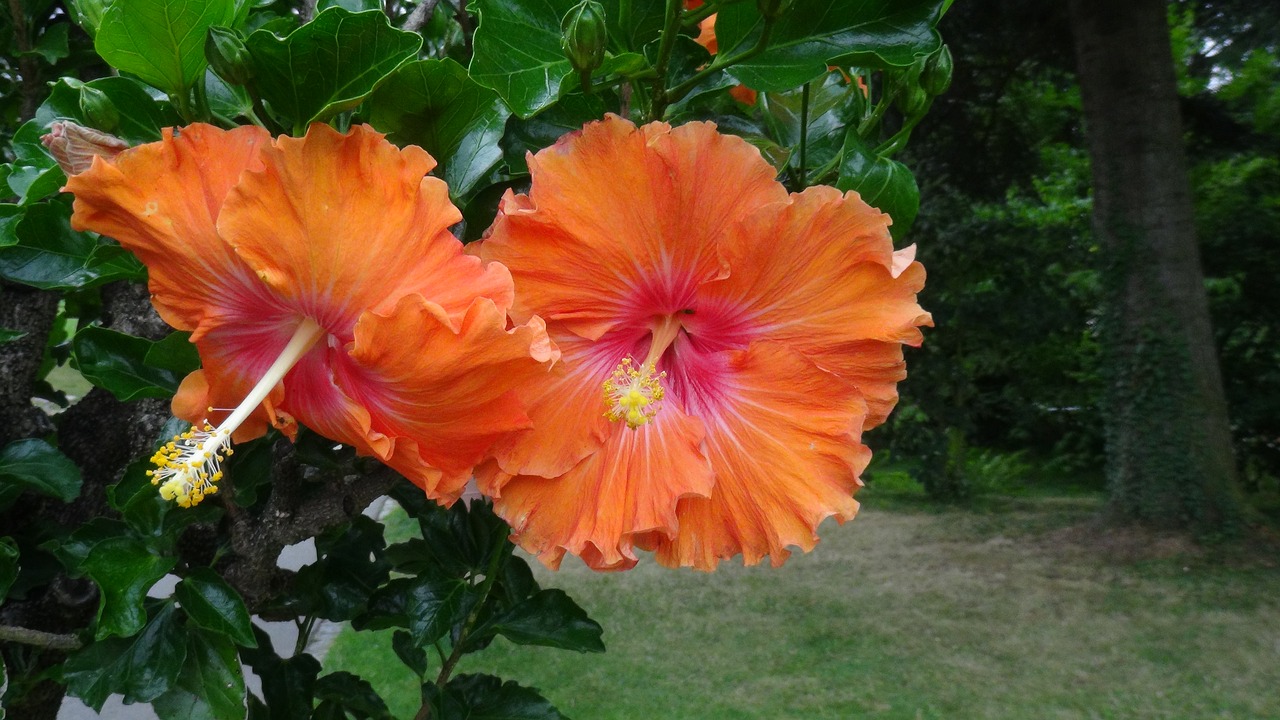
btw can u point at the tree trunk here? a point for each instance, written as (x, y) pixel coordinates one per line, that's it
(1169, 455)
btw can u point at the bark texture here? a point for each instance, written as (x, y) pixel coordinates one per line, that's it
(1169, 452)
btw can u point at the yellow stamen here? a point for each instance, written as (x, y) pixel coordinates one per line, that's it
(634, 394)
(189, 466)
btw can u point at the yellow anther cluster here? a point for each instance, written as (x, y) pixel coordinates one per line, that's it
(189, 466)
(633, 394)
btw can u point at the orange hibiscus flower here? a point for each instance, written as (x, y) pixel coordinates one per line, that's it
(724, 343)
(319, 281)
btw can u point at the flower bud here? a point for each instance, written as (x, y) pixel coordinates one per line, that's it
(98, 110)
(228, 56)
(936, 76)
(74, 146)
(584, 36)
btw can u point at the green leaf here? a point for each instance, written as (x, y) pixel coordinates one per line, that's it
(518, 54)
(161, 41)
(34, 464)
(408, 652)
(125, 570)
(816, 33)
(834, 106)
(74, 550)
(141, 116)
(353, 694)
(351, 567)
(52, 43)
(327, 66)
(117, 362)
(214, 605)
(8, 336)
(485, 697)
(436, 105)
(550, 618)
(288, 686)
(228, 101)
(88, 13)
(883, 184)
(8, 565)
(10, 216)
(33, 175)
(634, 23)
(534, 134)
(51, 256)
(141, 668)
(174, 352)
(210, 685)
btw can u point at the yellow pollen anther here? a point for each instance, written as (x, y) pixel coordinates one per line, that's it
(632, 394)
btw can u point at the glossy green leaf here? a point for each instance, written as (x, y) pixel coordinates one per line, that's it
(350, 569)
(530, 136)
(141, 116)
(51, 256)
(8, 336)
(161, 41)
(210, 685)
(10, 216)
(88, 14)
(117, 362)
(8, 565)
(125, 570)
(434, 104)
(74, 550)
(484, 697)
(634, 23)
(518, 54)
(214, 605)
(883, 183)
(550, 618)
(327, 66)
(353, 694)
(142, 668)
(33, 464)
(816, 33)
(33, 175)
(834, 105)
(173, 352)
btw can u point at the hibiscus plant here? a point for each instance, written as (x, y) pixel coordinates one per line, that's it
(614, 279)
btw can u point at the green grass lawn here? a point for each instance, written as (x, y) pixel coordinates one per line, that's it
(1018, 608)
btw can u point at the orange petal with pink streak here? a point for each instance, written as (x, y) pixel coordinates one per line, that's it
(339, 224)
(444, 393)
(621, 219)
(839, 293)
(162, 201)
(628, 489)
(786, 454)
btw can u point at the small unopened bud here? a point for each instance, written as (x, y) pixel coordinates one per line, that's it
(936, 76)
(74, 146)
(228, 56)
(98, 109)
(584, 36)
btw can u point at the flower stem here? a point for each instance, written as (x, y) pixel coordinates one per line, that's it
(501, 552)
(665, 46)
(804, 134)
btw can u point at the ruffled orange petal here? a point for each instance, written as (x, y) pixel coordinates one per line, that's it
(566, 408)
(623, 222)
(838, 293)
(444, 394)
(161, 201)
(784, 446)
(339, 224)
(627, 490)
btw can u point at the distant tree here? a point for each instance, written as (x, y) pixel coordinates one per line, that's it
(1169, 453)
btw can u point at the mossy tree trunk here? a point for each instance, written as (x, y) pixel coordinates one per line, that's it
(1169, 455)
